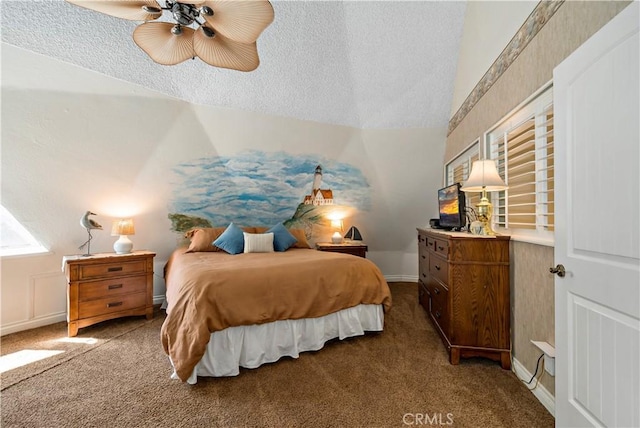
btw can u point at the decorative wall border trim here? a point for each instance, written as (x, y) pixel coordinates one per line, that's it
(534, 23)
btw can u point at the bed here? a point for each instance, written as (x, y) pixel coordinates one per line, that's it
(229, 311)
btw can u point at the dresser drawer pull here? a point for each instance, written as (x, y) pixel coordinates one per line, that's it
(114, 286)
(437, 314)
(437, 267)
(115, 269)
(440, 248)
(424, 257)
(114, 304)
(424, 276)
(436, 290)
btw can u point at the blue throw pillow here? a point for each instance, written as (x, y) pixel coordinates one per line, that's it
(231, 240)
(282, 238)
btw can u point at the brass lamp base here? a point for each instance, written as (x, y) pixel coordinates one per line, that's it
(485, 209)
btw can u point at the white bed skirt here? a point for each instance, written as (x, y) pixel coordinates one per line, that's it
(254, 345)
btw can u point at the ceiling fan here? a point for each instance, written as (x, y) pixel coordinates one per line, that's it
(222, 33)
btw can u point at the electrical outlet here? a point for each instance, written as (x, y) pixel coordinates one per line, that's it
(549, 356)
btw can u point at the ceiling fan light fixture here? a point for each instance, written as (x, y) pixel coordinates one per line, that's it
(184, 14)
(206, 11)
(208, 31)
(222, 33)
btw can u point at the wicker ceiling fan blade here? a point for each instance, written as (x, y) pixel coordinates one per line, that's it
(221, 51)
(160, 41)
(240, 20)
(134, 10)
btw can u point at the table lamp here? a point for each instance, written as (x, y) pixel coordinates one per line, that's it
(484, 178)
(337, 224)
(123, 228)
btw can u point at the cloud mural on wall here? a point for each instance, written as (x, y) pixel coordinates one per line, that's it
(261, 188)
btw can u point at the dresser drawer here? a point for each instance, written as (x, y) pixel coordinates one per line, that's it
(111, 304)
(423, 263)
(439, 268)
(440, 306)
(111, 287)
(111, 269)
(430, 242)
(424, 296)
(441, 247)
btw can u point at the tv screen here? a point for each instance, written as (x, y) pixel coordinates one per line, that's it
(451, 204)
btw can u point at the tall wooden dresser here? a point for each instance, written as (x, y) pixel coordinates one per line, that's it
(464, 287)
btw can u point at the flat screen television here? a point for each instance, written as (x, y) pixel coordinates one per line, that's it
(451, 205)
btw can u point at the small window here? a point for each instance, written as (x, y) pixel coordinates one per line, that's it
(14, 238)
(522, 146)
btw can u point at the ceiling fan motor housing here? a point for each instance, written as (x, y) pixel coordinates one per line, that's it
(184, 14)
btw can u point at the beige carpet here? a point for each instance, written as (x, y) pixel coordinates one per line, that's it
(379, 380)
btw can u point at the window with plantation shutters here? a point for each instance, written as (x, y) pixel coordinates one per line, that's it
(457, 171)
(522, 146)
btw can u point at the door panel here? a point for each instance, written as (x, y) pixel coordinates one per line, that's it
(597, 228)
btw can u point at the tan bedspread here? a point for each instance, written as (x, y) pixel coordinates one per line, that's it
(210, 291)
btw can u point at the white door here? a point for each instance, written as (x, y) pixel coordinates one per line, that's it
(597, 126)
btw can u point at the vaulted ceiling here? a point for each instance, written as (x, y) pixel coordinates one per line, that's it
(365, 64)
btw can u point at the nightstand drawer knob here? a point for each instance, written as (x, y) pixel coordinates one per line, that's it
(115, 269)
(115, 286)
(114, 304)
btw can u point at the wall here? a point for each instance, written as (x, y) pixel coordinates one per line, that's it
(532, 286)
(488, 27)
(79, 140)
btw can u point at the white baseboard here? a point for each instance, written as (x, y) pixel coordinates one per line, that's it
(401, 278)
(541, 393)
(15, 327)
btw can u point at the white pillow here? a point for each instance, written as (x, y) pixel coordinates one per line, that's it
(258, 242)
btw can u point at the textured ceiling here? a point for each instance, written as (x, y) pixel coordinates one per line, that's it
(380, 64)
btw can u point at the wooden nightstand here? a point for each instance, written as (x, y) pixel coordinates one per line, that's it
(352, 248)
(106, 286)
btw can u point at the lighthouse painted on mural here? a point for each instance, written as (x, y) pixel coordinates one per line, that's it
(318, 196)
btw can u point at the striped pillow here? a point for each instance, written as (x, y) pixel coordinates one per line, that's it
(258, 242)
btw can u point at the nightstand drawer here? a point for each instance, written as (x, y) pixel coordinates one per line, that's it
(108, 305)
(111, 269)
(354, 249)
(439, 268)
(111, 287)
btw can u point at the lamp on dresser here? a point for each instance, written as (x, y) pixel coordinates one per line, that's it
(484, 178)
(123, 228)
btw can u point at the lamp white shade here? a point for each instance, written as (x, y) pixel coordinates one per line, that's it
(484, 176)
